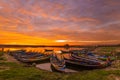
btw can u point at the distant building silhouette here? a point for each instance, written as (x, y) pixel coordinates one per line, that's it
(67, 46)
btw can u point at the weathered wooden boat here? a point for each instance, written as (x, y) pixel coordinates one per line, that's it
(65, 51)
(86, 62)
(104, 58)
(26, 59)
(48, 51)
(92, 55)
(30, 57)
(13, 53)
(57, 64)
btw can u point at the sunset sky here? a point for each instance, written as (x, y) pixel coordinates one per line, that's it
(53, 22)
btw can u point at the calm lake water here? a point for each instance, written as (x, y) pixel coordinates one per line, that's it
(41, 49)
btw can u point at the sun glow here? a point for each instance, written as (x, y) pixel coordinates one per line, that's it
(61, 41)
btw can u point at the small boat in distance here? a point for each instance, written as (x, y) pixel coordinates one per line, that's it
(65, 51)
(48, 51)
(57, 64)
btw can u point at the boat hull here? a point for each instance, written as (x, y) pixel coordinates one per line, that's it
(57, 65)
(84, 64)
(54, 69)
(25, 60)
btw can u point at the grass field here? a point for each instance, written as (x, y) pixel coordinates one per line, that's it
(1, 56)
(107, 51)
(16, 71)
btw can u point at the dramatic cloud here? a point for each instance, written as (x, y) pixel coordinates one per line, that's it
(51, 21)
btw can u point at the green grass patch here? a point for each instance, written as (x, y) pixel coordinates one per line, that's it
(2, 59)
(19, 72)
(1, 53)
(107, 49)
(118, 55)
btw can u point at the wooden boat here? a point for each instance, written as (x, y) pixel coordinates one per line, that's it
(86, 62)
(65, 51)
(13, 53)
(31, 57)
(48, 51)
(57, 64)
(105, 58)
(92, 55)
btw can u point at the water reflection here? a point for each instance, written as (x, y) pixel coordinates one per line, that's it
(41, 49)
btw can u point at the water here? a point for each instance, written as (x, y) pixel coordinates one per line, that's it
(41, 49)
